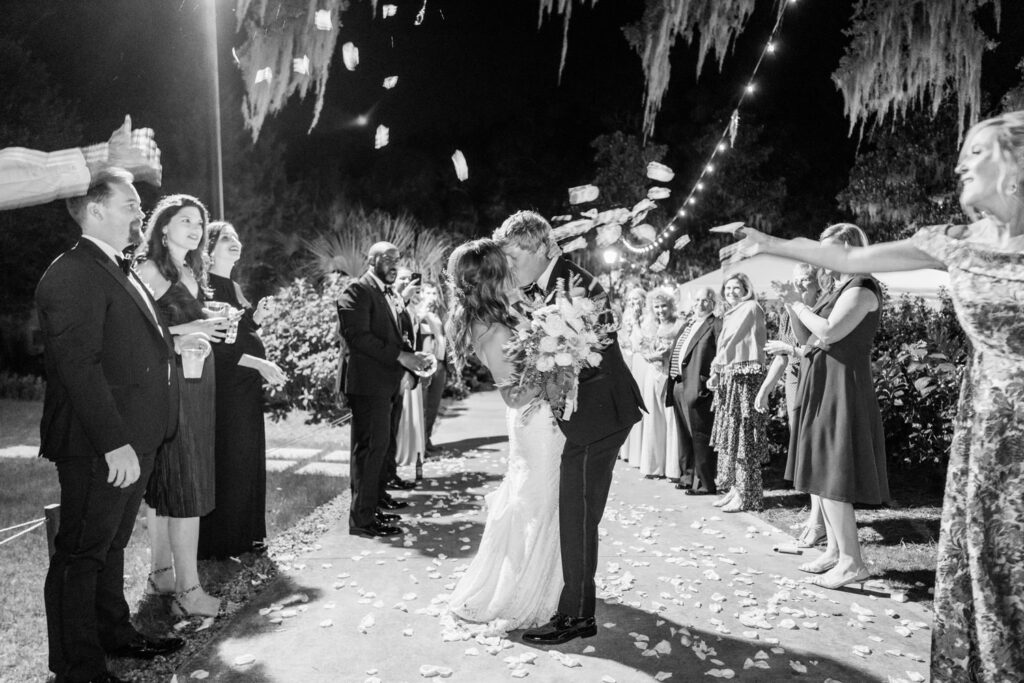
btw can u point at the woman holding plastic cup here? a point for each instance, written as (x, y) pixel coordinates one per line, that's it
(237, 525)
(181, 489)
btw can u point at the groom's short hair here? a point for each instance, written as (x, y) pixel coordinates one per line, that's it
(527, 230)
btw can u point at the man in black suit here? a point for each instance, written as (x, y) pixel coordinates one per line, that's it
(688, 373)
(374, 358)
(608, 405)
(111, 399)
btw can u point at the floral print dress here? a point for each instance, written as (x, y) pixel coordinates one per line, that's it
(979, 589)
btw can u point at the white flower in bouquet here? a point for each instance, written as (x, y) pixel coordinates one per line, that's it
(545, 363)
(549, 344)
(564, 359)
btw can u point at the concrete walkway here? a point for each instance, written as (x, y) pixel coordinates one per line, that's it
(686, 593)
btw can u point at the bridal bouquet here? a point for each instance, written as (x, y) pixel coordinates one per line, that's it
(550, 349)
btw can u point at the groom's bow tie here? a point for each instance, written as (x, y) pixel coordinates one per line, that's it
(533, 291)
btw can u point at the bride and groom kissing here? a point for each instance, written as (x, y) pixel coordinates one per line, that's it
(539, 550)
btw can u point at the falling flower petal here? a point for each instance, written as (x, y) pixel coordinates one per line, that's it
(461, 168)
(583, 194)
(659, 172)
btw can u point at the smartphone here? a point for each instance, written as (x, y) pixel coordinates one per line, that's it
(416, 279)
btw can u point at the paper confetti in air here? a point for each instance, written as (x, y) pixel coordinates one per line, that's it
(350, 55)
(244, 660)
(583, 194)
(389, 11)
(390, 82)
(461, 168)
(572, 228)
(658, 192)
(382, 137)
(301, 65)
(681, 242)
(264, 75)
(200, 674)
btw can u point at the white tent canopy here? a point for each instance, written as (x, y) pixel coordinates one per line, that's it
(763, 269)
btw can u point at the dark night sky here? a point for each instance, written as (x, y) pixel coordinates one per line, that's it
(477, 75)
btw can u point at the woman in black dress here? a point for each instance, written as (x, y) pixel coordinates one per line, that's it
(837, 447)
(237, 525)
(181, 489)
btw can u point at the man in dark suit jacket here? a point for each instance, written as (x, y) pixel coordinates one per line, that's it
(374, 358)
(688, 373)
(608, 405)
(111, 399)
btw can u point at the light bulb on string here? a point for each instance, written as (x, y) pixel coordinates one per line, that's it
(722, 147)
(691, 200)
(700, 186)
(709, 169)
(750, 88)
(770, 48)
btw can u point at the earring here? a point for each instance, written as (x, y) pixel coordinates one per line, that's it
(1012, 189)
(163, 240)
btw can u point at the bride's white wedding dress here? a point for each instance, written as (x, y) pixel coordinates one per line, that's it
(515, 579)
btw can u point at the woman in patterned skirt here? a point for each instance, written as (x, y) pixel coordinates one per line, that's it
(979, 583)
(738, 432)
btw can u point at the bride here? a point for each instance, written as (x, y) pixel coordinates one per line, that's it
(516, 576)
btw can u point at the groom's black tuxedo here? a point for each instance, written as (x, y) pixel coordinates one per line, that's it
(371, 378)
(109, 382)
(608, 405)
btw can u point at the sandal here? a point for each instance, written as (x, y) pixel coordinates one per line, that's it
(814, 567)
(153, 589)
(812, 536)
(179, 610)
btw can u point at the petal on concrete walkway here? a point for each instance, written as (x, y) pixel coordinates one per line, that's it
(686, 593)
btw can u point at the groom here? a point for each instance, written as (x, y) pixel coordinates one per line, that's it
(608, 405)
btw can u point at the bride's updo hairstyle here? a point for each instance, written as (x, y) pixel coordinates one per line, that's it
(479, 280)
(1007, 151)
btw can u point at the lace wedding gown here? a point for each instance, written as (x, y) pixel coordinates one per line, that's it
(516, 576)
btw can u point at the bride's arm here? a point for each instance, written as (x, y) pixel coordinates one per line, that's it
(490, 345)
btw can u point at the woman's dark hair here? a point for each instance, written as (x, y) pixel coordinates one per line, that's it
(154, 249)
(478, 281)
(213, 231)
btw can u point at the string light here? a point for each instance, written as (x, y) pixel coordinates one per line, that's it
(769, 48)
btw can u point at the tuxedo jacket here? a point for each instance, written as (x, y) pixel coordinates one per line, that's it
(696, 364)
(609, 399)
(110, 368)
(371, 338)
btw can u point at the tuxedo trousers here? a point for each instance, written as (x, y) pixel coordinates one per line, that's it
(586, 477)
(374, 435)
(86, 611)
(698, 460)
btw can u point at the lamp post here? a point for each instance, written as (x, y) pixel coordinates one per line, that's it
(611, 257)
(216, 159)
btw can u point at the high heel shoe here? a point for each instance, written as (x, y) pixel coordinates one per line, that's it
(153, 589)
(812, 536)
(860, 577)
(726, 499)
(178, 609)
(814, 568)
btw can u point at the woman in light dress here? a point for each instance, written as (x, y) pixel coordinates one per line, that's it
(630, 335)
(515, 578)
(659, 450)
(979, 582)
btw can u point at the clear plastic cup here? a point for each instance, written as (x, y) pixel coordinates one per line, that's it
(194, 351)
(218, 309)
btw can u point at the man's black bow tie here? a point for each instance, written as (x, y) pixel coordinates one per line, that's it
(389, 290)
(533, 291)
(127, 258)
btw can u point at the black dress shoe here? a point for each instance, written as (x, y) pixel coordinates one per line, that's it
(561, 629)
(375, 530)
(390, 503)
(386, 517)
(142, 647)
(399, 484)
(696, 492)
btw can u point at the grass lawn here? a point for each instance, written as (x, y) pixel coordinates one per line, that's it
(898, 542)
(28, 484)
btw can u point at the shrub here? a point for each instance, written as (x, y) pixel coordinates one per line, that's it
(22, 387)
(300, 335)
